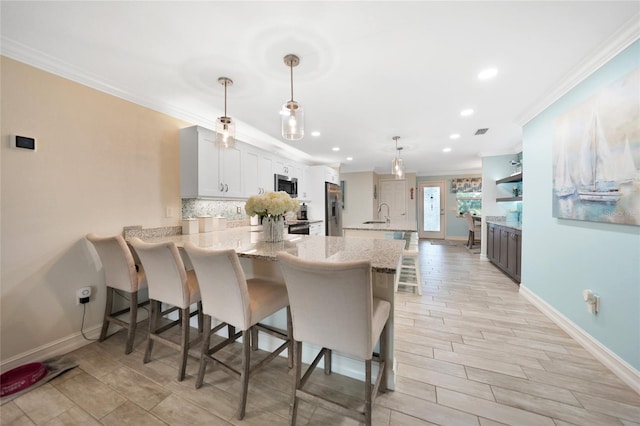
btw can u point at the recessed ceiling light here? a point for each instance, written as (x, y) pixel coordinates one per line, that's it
(454, 135)
(316, 133)
(335, 148)
(446, 149)
(466, 112)
(349, 158)
(487, 74)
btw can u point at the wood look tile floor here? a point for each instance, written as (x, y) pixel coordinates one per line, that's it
(469, 351)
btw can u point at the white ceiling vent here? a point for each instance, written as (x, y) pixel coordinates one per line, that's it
(481, 131)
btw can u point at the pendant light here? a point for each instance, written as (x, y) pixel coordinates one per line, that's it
(292, 113)
(397, 165)
(225, 127)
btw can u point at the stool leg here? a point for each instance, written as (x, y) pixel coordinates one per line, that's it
(133, 321)
(244, 374)
(205, 350)
(184, 342)
(367, 393)
(153, 319)
(107, 313)
(418, 276)
(289, 338)
(297, 373)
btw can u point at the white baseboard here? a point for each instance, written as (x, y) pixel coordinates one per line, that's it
(52, 349)
(613, 362)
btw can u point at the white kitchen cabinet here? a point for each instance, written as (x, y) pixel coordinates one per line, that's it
(301, 175)
(230, 172)
(258, 172)
(285, 168)
(206, 170)
(316, 228)
(331, 175)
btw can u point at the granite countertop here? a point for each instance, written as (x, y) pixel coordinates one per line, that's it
(505, 223)
(403, 226)
(383, 254)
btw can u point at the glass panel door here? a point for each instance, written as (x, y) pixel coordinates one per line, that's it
(431, 210)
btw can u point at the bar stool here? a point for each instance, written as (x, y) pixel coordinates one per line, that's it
(121, 274)
(241, 304)
(332, 306)
(409, 273)
(171, 284)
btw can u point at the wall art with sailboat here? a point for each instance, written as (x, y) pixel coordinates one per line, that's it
(596, 156)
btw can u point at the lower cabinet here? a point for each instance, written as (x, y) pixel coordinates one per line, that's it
(504, 247)
(316, 228)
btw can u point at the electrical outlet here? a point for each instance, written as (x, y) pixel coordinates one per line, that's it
(168, 212)
(83, 295)
(238, 209)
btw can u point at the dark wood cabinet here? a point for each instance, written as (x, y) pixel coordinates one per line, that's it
(504, 247)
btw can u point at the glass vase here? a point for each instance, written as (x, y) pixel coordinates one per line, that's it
(273, 228)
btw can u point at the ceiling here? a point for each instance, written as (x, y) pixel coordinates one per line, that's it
(369, 70)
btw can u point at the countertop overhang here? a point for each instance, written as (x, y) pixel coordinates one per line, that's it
(384, 255)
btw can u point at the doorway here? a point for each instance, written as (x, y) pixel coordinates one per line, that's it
(431, 222)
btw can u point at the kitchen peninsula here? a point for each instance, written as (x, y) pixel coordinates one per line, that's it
(258, 259)
(380, 229)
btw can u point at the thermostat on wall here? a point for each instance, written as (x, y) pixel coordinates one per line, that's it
(23, 142)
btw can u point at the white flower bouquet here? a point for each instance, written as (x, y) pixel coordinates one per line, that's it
(271, 204)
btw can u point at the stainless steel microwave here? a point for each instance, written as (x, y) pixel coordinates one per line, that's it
(286, 184)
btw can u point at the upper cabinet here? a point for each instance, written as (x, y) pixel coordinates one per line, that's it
(516, 195)
(284, 168)
(258, 172)
(206, 170)
(302, 173)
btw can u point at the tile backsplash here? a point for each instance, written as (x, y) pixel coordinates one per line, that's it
(193, 207)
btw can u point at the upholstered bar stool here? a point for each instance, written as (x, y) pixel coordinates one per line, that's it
(171, 284)
(332, 306)
(120, 275)
(409, 273)
(240, 303)
(473, 228)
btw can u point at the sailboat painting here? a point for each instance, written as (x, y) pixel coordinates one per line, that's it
(596, 156)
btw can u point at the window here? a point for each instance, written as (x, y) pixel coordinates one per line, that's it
(468, 195)
(469, 202)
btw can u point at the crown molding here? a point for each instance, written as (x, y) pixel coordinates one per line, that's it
(616, 43)
(38, 59)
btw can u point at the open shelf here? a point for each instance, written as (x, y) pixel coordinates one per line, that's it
(513, 178)
(508, 199)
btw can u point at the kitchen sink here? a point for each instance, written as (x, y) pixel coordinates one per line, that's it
(369, 222)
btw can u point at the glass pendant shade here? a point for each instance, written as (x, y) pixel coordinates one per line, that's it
(397, 165)
(225, 132)
(292, 115)
(397, 168)
(225, 127)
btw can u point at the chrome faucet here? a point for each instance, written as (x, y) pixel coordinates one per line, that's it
(380, 209)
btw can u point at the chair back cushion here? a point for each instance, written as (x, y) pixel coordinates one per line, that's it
(166, 276)
(117, 262)
(223, 286)
(331, 303)
(471, 223)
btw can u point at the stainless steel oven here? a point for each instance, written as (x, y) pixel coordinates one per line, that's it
(301, 228)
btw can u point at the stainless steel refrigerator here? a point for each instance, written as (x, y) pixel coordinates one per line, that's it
(333, 208)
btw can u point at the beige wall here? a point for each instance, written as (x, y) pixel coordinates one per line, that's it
(358, 201)
(101, 163)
